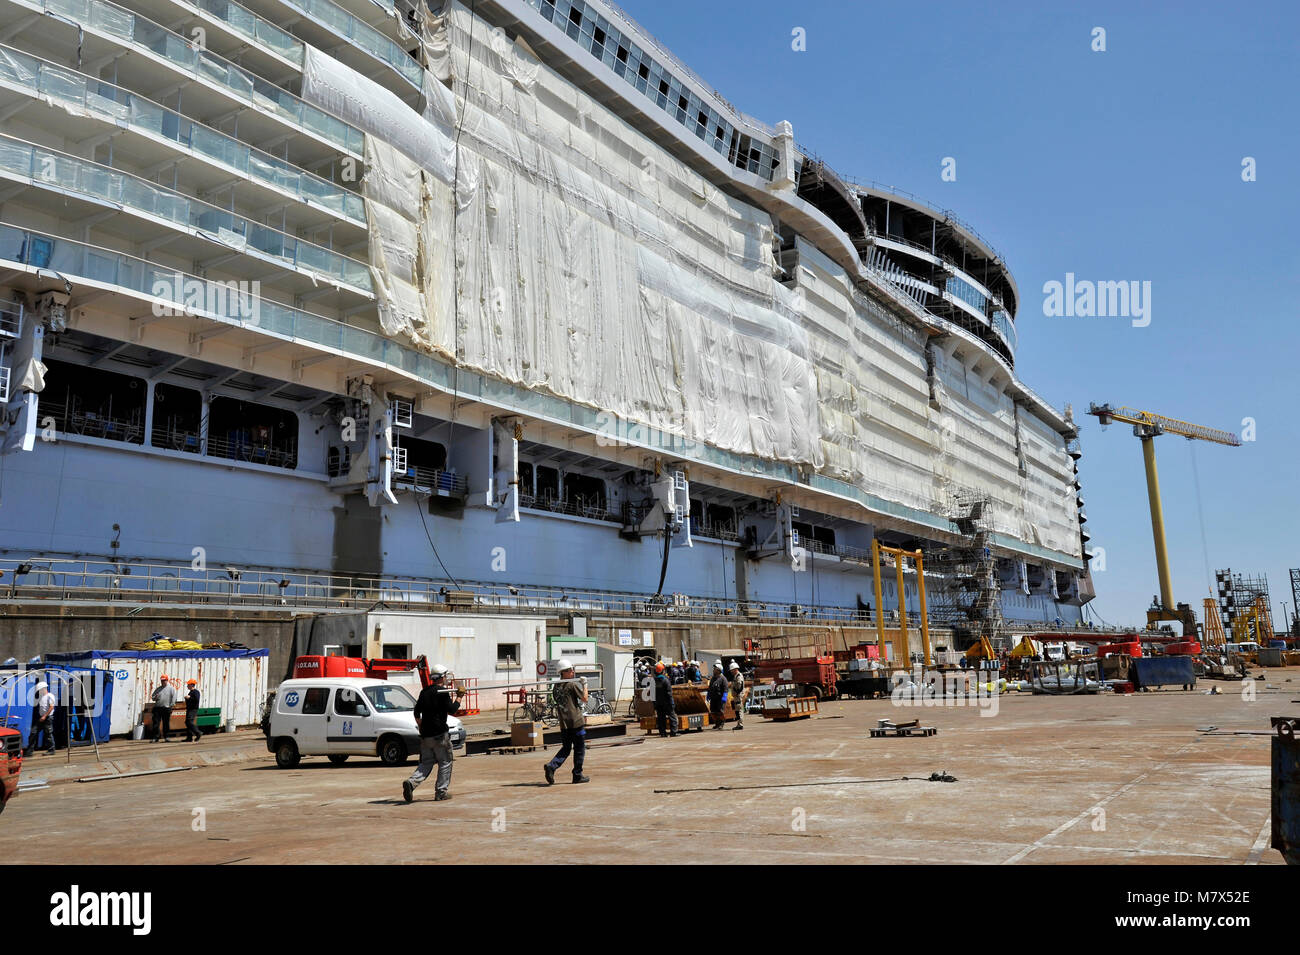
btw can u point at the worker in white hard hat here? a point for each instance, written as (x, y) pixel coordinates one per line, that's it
(693, 674)
(737, 694)
(42, 719)
(437, 702)
(570, 694)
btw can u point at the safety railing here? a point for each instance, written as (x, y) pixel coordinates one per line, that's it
(362, 35)
(118, 23)
(142, 582)
(92, 180)
(4, 383)
(184, 294)
(11, 317)
(120, 107)
(253, 28)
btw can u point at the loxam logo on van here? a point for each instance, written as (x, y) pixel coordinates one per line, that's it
(291, 699)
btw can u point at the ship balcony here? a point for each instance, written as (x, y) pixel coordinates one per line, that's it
(4, 384)
(233, 31)
(91, 108)
(349, 39)
(66, 187)
(209, 85)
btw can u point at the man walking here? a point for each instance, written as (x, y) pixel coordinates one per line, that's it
(42, 719)
(717, 696)
(737, 695)
(164, 698)
(192, 711)
(665, 706)
(569, 697)
(436, 703)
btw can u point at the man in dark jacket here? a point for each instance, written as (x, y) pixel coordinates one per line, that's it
(665, 705)
(570, 695)
(437, 702)
(717, 695)
(192, 711)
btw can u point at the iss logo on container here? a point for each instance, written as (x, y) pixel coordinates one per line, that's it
(291, 698)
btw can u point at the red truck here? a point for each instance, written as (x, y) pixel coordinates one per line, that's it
(11, 763)
(815, 675)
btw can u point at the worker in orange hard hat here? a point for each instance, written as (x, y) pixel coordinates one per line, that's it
(665, 706)
(192, 711)
(164, 698)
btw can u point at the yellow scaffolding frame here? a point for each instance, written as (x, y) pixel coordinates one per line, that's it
(900, 555)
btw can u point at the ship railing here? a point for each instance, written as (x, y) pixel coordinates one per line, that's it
(71, 174)
(4, 384)
(11, 317)
(139, 583)
(120, 107)
(133, 30)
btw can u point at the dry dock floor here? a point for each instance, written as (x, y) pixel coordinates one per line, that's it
(1108, 779)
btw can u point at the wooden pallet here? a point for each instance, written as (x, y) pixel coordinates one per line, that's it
(685, 722)
(785, 709)
(889, 728)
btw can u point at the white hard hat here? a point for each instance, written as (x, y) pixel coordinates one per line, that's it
(734, 665)
(437, 670)
(563, 664)
(42, 685)
(717, 665)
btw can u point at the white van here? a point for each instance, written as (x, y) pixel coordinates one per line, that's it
(340, 717)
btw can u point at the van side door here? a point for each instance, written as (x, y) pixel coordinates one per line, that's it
(351, 723)
(312, 720)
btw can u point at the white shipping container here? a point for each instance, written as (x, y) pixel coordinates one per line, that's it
(234, 680)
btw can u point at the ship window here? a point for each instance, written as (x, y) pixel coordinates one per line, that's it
(585, 493)
(575, 15)
(425, 460)
(548, 484)
(824, 535)
(94, 402)
(176, 418)
(526, 489)
(247, 431)
(720, 518)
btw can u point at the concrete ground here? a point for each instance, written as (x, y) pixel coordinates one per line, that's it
(1108, 780)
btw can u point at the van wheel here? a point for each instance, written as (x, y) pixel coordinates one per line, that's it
(286, 754)
(338, 759)
(392, 751)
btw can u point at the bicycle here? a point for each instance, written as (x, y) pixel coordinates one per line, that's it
(538, 707)
(597, 704)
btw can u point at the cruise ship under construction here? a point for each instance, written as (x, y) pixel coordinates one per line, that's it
(496, 305)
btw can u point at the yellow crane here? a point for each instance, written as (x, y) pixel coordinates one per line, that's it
(1147, 426)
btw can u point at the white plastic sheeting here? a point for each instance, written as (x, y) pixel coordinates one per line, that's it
(528, 232)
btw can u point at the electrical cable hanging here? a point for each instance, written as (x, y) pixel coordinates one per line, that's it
(416, 498)
(663, 570)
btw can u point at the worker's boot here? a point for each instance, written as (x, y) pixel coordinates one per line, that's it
(550, 774)
(582, 779)
(408, 791)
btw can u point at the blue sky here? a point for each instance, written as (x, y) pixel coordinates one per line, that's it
(1116, 165)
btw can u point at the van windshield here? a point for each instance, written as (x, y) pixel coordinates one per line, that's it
(390, 699)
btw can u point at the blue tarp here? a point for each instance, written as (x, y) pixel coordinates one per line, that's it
(1163, 671)
(21, 692)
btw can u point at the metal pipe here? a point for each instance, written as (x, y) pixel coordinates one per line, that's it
(1157, 522)
(880, 603)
